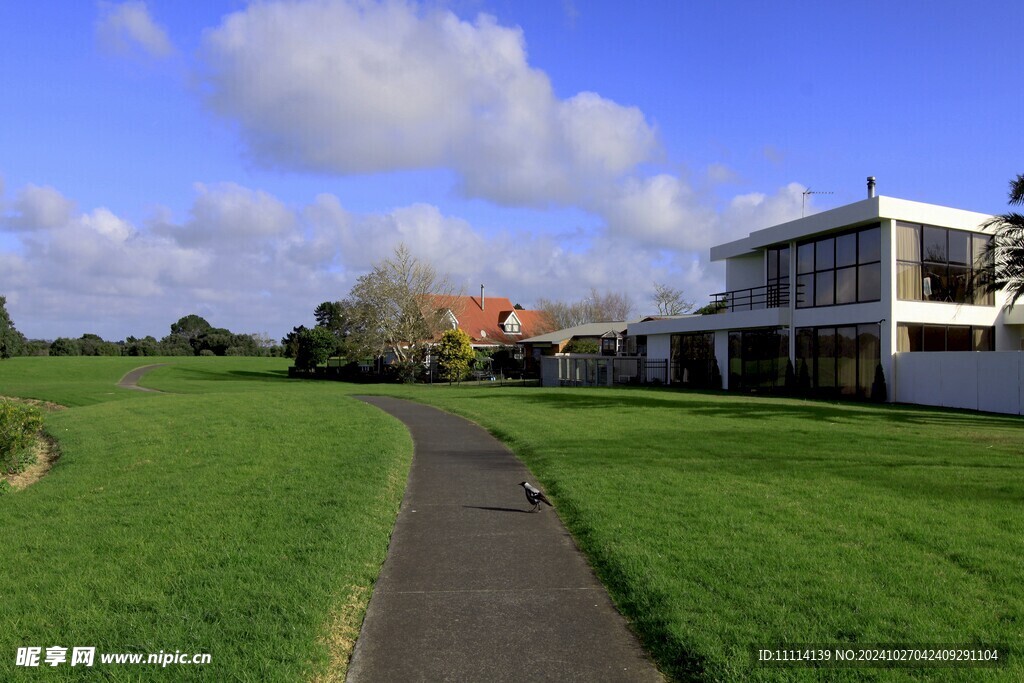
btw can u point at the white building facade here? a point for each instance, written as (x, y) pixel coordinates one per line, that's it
(842, 292)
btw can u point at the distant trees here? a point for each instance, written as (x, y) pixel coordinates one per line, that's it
(63, 346)
(147, 346)
(597, 307)
(1003, 266)
(11, 341)
(193, 335)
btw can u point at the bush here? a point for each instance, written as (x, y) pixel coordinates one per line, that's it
(405, 372)
(583, 346)
(716, 375)
(19, 426)
(454, 351)
(879, 392)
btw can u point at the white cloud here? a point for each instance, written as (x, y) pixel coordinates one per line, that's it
(38, 208)
(661, 211)
(227, 213)
(353, 87)
(128, 26)
(755, 211)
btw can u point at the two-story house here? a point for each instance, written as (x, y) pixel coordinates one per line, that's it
(841, 292)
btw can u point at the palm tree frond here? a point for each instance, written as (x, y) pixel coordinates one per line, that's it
(1017, 190)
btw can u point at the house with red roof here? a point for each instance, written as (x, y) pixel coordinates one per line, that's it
(491, 321)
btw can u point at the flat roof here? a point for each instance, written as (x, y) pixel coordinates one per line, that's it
(863, 212)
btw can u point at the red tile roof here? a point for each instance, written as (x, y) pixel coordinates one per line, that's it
(483, 323)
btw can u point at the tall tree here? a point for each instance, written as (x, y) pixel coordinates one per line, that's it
(11, 341)
(400, 306)
(341, 320)
(670, 301)
(1004, 258)
(313, 347)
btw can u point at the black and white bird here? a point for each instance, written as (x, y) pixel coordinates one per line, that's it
(535, 497)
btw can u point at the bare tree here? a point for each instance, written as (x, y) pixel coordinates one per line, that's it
(596, 307)
(400, 305)
(670, 301)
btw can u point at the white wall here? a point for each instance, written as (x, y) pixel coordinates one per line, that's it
(976, 380)
(743, 272)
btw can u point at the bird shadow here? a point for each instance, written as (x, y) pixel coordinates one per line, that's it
(478, 507)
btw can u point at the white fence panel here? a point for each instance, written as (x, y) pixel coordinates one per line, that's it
(989, 381)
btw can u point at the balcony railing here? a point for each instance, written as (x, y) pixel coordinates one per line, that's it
(752, 298)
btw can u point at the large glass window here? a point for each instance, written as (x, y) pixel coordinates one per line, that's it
(838, 361)
(940, 264)
(693, 356)
(919, 337)
(840, 269)
(757, 358)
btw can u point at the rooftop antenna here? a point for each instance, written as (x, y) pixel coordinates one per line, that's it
(803, 205)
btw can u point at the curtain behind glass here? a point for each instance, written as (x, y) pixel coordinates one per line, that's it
(908, 242)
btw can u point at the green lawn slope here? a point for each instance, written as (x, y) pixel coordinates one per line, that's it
(246, 519)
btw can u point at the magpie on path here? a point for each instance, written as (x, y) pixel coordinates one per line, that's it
(534, 496)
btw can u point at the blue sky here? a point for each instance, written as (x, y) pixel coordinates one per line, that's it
(246, 161)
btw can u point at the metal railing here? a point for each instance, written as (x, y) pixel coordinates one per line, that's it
(753, 298)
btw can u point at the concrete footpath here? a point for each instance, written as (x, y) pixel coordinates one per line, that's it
(473, 587)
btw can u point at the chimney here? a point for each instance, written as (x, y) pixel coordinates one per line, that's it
(481, 297)
(871, 186)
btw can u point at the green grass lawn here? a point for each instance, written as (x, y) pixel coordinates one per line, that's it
(722, 522)
(237, 516)
(246, 519)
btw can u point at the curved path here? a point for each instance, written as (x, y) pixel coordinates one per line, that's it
(474, 590)
(131, 380)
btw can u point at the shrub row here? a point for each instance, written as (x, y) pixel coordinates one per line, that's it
(19, 425)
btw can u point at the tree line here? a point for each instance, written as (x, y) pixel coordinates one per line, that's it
(191, 335)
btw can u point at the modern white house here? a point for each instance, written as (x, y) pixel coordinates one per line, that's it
(880, 282)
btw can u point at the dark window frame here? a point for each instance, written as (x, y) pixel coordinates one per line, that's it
(830, 272)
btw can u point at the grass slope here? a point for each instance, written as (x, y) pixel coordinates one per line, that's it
(246, 519)
(721, 522)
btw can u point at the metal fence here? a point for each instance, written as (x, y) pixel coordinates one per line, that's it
(591, 370)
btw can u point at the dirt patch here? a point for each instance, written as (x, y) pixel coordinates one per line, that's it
(46, 453)
(45, 449)
(45, 405)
